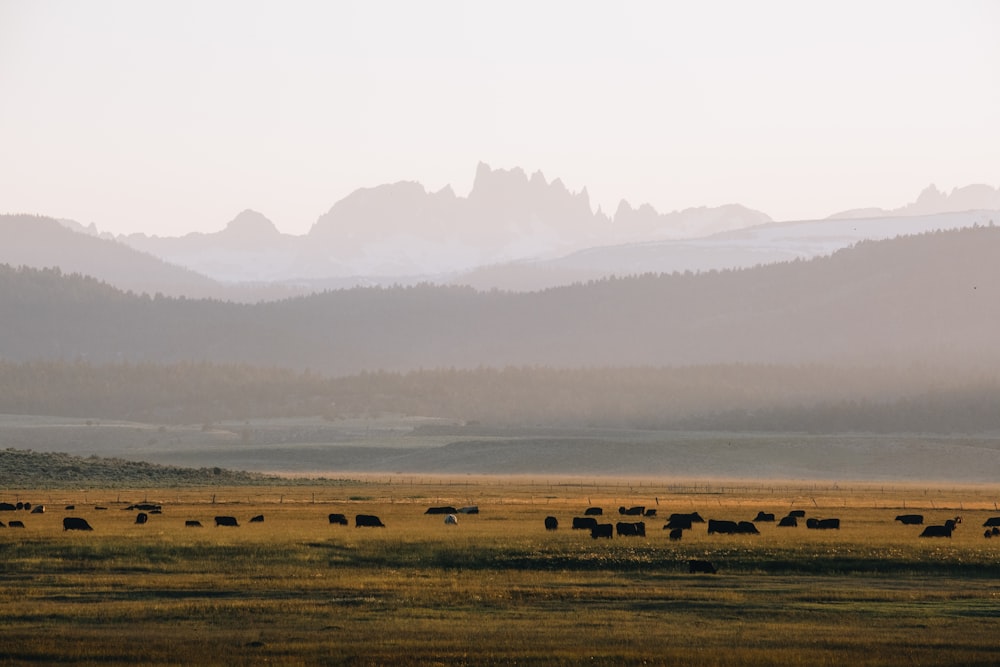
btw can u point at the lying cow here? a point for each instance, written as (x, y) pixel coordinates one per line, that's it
(447, 509)
(696, 566)
(910, 519)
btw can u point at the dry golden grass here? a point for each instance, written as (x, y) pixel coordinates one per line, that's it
(498, 588)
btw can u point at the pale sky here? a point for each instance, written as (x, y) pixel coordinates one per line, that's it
(170, 117)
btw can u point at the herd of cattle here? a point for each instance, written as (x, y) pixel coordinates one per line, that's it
(676, 523)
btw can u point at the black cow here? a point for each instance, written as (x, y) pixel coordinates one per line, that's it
(146, 507)
(471, 509)
(75, 523)
(676, 534)
(910, 519)
(594, 511)
(797, 513)
(7, 507)
(988, 533)
(584, 523)
(191, 523)
(15, 524)
(632, 511)
(141, 518)
(696, 566)
(936, 531)
(989, 523)
(634, 529)
(226, 521)
(723, 527)
(441, 510)
(367, 521)
(746, 528)
(25, 506)
(691, 517)
(828, 524)
(71, 507)
(257, 519)
(650, 512)
(38, 509)
(679, 521)
(551, 523)
(602, 530)
(788, 522)
(764, 516)
(338, 519)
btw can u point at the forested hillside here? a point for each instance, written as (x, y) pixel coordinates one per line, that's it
(933, 298)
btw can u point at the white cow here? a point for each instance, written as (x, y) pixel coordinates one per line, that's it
(451, 520)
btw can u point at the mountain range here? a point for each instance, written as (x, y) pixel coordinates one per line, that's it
(512, 232)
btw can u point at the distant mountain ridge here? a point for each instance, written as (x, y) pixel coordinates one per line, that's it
(933, 201)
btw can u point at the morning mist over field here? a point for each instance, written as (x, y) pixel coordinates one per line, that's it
(718, 240)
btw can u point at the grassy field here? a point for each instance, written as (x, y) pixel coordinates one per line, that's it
(498, 588)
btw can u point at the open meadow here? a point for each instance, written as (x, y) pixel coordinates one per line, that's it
(498, 588)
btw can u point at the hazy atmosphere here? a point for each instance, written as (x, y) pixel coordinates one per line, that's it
(171, 117)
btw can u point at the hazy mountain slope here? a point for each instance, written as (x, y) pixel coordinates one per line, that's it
(40, 242)
(933, 201)
(934, 296)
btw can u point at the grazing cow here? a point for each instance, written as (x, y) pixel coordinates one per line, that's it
(471, 509)
(764, 516)
(15, 524)
(75, 523)
(827, 524)
(910, 519)
(7, 507)
(746, 528)
(676, 534)
(679, 521)
(257, 519)
(650, 512)
(226, 521)
(584, 523)
(71, 507)
(602, 530)
(696, 566)
(191, 523)
(551, 523)
(594, 511)
(989, 523)
(632, 511)
(936, 531)
(38, 509)
(367, 521)
(691, 517)
(451, 520)
(338, 519)
(788, 522)
(723, 527)
(141, 518)
(441, 510)
(634, 529)
(797, 513)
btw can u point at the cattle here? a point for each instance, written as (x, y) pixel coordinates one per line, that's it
(15, 524)
(593, 511)
(650, 512)
(551, 523)
(451, 520)
(192, 523)
(26, 507)
(633, 529)
(257, 519)
(797, 513)
(910, 519)
(471, 509)
(812, 523)
(605, 530)
(7, 507)
(764, 516)
(141, 518)
(632, 511)
(936, 531)
(788, 522)
(145, 507)
(100, 508)
(823, 524)
(19, 506)
(367, 521)
(71, 507)
(995, 531)
(988, 533)
(38, 509)
(679, 521)
(700, 566)
(338, 519)
(989, 523)
(723, 527)
(676, 534)
(226, 521)
(691, 517)
(447, 509)
(746, 528)
(3, 525)
(584, 523)
(75, 523)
